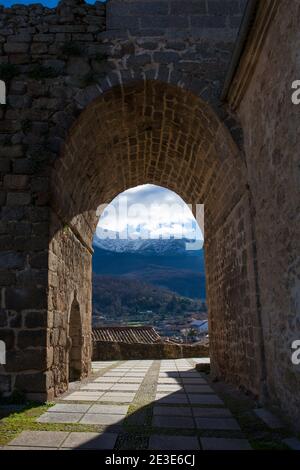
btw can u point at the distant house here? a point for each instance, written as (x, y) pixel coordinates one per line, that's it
(126, 334)
(138, 342)
(200, 325)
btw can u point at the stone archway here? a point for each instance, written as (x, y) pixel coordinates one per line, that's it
(152, 132)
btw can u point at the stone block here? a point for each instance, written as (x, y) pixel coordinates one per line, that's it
(31, 359)
(178, 422)
(36, 319)
(42, 438)
(228, 424)
(208, 22)
(169, 21)
(15, 181)
(219, 443)
(60, 418)
(11, 260)
(191, 7)
(163, 442)
(66, 408)
(15, 47)
(32, 338)
(11, 151)
(102, 419)
(8, 336)
(138, 8)
(268, 418)
(223, 8)
(18, 199)
(3, 316)
(90, 441)
(38, 382)
(26, 298)
(5, 383)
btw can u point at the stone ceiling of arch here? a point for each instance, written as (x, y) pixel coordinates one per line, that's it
(146, 133)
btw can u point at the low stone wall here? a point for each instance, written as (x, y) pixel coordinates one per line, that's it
(109, 351)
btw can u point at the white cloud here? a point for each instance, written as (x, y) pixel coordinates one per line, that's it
(149, 210)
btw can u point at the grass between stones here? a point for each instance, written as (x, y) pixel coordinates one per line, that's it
(255, 430)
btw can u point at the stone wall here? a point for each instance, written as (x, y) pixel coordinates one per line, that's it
(149, 87)
(97, 104)
(70, 277)
(114, 351)
(232, 300)
(271, 129)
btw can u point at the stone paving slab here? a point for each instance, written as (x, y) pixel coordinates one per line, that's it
(43, 438)
(27, 448)
(176, 393)
(169, 380)
(137, 418)
(97, 386)
(135, 374)
(68, 408)
(103, 419)
(220, 443)
(171, 399)
(172, 411)
(133, 380)
(111, 380)
(160, 442)
(211, 412)
(228, 424)
(177, 422)
(198, 389)
(90, 440)
(128, 387)
(192, 381)
(189, 375)
(118, 397)
(205, 399)
(113, 374)
(109, 409)
(168, 388)
(292, 442)
(83, 396)
(60, 418)
(169, 374)
(268, 418)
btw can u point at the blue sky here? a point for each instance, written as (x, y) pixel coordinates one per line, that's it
(46, 3)
(153, 211)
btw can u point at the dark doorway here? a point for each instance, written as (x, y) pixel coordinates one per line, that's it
(75, 338)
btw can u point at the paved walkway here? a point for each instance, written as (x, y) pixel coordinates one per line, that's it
(163, 405)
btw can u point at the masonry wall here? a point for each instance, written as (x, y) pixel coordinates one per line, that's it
(55, 62)
(114, 351)
(271, 129)
(70, 277)
(235, 329)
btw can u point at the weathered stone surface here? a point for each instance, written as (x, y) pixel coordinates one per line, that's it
(219, 443)
(151, 75)
(89, 440)
(43, 438)
(163, 442)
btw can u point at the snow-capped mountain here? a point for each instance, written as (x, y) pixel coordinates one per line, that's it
(150, 246)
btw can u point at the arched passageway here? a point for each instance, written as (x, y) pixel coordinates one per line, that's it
(151, 132)
(75, 342)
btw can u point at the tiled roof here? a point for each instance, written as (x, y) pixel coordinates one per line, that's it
(124, 334)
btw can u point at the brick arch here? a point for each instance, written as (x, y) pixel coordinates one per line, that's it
(146, 132)
(153, 132)
(128, 77)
